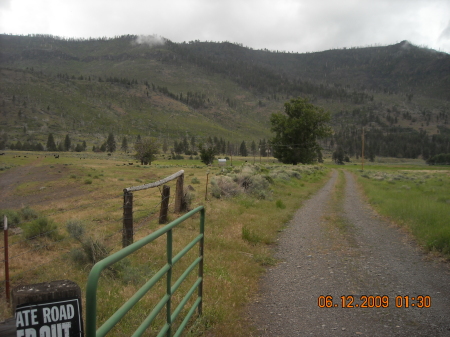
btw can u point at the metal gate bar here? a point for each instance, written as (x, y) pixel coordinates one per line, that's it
(92, 283)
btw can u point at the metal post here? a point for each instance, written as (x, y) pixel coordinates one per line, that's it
(200, 266)
(362, 163)
(127, 234)
(5, 237)
(169, 283)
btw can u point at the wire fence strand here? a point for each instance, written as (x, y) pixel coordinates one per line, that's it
(141, 211)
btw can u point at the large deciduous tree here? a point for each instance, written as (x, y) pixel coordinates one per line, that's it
(146, 150)
(297, 132)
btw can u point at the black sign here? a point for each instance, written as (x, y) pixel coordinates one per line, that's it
(50, 319)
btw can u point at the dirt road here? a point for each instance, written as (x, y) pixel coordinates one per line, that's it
(340, 247)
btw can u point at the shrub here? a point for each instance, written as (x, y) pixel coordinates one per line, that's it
(75, 228)
(88, 181)
(13, 217)
(189, 196)
(129, 274)
(28, 213)
(195, 181)
(90, 252)
(280, 204)
(95, 250)
(223, 186)
(259, 187)
(41, 227)
(250, 236)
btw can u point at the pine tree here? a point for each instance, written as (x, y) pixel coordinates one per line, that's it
(243, 149)
(51, 146)
(124, 146)
(262, 148)
(111, 143)
(253, 147)
(165, 146)
(67, 143)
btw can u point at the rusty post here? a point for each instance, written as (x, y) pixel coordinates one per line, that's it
(179, 196)
(5, 236)
(127, 234)
(164, 204)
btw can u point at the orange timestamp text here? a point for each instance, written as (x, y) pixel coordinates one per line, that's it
(374, 301)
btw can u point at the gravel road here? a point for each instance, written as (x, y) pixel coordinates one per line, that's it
(371, 257)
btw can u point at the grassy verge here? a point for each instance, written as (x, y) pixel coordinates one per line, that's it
(338, 225)
(416, 199)
(240, 232)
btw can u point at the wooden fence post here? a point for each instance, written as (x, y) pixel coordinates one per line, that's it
(164, 204)
(179, 195)
(127, 234)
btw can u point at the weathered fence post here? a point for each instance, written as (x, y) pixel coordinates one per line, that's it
(164, 204)
(45, 309)
(127, 234)
(5, 237)
(179, 195)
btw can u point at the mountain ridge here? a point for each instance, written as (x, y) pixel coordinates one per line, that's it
(210, 88)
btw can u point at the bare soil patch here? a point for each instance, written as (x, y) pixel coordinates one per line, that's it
(45, 183)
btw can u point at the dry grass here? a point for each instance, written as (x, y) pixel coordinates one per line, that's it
(233, 264)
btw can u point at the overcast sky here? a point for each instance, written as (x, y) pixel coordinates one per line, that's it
(285, 25)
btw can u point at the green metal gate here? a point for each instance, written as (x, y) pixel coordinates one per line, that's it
(92, 283)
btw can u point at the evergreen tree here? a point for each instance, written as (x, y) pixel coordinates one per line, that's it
(51, 146)
(262, 148)
(111, 143)
(79, 148)
(253, 147)
(207, 154)
(103, 147)
(67, 143)
(124, 146)
(185, 146)
(243, 149)
(165, 146)
(193, 144)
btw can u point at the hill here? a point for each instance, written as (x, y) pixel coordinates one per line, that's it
(129, 86)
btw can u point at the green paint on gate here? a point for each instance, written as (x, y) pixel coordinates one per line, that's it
(92, 283)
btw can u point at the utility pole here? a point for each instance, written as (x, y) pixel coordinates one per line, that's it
(362, 163)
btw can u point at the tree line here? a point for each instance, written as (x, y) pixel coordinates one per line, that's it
(393, 141)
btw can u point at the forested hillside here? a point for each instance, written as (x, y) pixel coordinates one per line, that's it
(130, 86)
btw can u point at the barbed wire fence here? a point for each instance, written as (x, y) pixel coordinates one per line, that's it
(136, 215)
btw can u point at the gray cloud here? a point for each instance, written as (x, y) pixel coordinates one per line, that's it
(289, 25)
(5, 4)
(445, 35)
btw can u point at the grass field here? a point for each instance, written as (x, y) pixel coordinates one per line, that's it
(87, 193)
(416, 199)
(413, 195)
